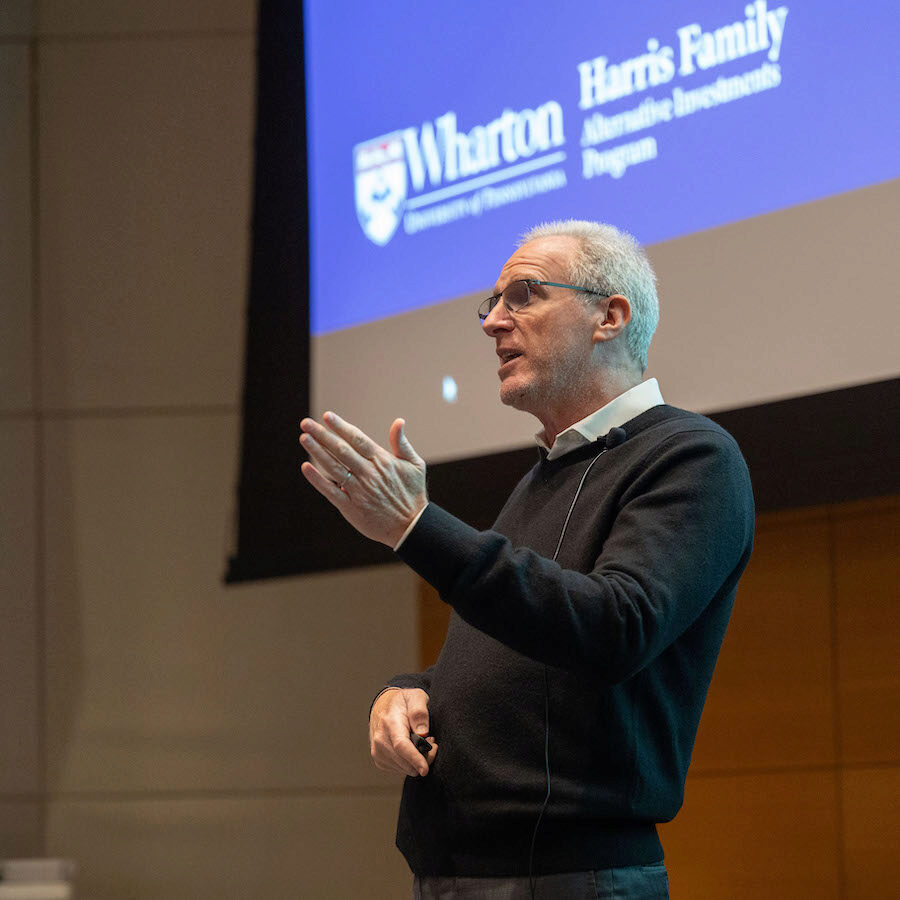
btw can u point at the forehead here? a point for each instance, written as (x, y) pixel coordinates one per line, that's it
(546, 259)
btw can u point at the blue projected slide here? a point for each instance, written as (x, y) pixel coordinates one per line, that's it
(438, 133)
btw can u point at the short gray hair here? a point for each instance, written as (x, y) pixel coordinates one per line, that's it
(611, 262)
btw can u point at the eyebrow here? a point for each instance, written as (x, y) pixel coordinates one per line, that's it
(508, 283)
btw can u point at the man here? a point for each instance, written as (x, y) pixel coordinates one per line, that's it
(562, 712)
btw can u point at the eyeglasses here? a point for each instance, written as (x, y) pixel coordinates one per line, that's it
(517, 295)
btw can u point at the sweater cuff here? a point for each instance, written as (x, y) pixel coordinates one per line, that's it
(440, 547)
(409, 528)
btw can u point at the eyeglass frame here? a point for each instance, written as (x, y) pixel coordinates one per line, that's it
(527, 282)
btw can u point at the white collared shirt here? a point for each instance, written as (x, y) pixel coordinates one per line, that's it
(614, 414)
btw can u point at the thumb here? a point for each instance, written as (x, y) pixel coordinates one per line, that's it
(400, 444)
(417, 711)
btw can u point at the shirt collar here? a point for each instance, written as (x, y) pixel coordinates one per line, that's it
(614, 414)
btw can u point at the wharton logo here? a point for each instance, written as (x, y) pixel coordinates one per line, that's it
(437, 162)
(380, 167)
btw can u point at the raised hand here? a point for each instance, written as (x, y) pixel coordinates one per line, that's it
(379, 492)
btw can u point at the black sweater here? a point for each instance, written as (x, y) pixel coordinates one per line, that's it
(628, 622)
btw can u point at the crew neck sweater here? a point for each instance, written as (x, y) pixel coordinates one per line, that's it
(626, 622)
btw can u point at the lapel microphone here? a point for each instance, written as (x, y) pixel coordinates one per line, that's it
(614, 437)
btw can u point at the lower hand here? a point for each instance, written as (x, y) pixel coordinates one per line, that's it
(394, 714)
(379, 492)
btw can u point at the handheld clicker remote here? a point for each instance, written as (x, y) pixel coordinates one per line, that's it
(421, 744)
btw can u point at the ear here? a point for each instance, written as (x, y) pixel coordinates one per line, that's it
(614, 316)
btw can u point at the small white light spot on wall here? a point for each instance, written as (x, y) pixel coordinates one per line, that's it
(451, 392)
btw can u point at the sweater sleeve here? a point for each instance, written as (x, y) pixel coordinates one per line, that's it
(682, 536)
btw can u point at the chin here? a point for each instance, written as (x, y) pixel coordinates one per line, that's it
(515, 395)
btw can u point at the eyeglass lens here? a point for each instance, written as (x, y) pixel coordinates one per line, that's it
(515, 295)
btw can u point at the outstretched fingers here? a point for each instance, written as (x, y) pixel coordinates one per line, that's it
(325, 486)
(324, 461)
(356, 439)
(353, 452)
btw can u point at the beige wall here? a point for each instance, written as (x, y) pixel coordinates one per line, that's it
(177, 738)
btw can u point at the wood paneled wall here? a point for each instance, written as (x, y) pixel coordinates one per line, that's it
(794, 789)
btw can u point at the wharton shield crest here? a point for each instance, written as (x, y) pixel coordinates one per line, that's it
(380, 174)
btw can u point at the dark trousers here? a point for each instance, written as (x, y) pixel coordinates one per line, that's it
(631, 883)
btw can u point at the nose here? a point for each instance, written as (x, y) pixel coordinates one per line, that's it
(498, 320)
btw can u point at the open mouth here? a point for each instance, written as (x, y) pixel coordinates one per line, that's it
(508, 356)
